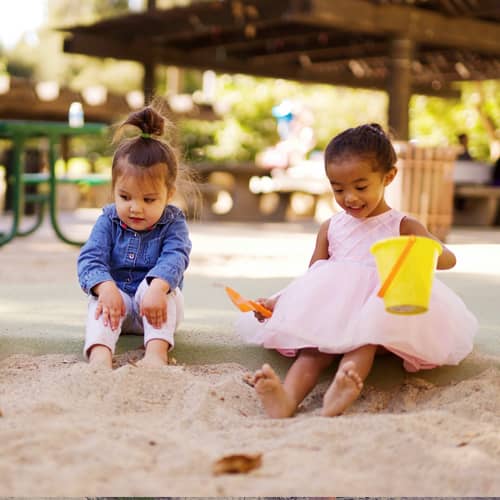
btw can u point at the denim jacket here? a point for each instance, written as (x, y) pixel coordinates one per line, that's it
(116, 252)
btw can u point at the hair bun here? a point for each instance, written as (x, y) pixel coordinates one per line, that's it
(148, 120)
(375, 127)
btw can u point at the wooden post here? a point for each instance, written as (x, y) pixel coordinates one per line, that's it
(149, 65)
(149, 79)
(399, 87)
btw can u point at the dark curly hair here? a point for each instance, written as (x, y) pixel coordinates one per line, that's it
(368, 141)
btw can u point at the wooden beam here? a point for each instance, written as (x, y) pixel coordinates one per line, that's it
(330, 54)
(96, 47)
(400, 21)
(222, 64)
(207, 17)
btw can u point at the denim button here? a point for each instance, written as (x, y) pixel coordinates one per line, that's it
(131, 255)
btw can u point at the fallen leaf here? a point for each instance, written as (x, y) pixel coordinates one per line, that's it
(234, 464)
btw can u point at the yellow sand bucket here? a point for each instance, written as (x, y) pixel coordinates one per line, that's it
(406, 265)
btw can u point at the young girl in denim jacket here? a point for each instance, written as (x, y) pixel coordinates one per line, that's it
(133, 263)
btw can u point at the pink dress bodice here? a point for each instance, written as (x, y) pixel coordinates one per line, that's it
(350, 239)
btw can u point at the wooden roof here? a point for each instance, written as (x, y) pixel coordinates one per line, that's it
(341, 42)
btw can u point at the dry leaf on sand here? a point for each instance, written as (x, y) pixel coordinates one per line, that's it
(233, 464)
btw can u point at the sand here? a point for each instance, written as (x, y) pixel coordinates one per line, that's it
(68, 430)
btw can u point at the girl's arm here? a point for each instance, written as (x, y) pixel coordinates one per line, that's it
(94, 258)
(95, 276)
(409, 226)
(321, 248)
(173, 258)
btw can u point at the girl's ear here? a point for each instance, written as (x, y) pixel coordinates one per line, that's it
(389, 176)
(171, 194)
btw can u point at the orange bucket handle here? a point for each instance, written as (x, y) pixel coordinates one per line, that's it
(397, 266)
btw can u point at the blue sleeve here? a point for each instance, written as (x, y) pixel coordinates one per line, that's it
(94, 261)
(174, 254)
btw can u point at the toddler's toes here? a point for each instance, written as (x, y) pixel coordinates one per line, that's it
(353, 375)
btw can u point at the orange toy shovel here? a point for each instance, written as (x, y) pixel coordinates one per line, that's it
(246, 305)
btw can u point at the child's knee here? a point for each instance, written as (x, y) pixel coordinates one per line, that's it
(175, 314)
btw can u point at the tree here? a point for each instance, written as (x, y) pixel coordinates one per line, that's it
(439, 121)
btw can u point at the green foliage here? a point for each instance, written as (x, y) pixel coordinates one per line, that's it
(437, 121)
(196, 136)
(248, 126)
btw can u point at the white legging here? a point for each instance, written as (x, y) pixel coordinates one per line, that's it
(96, 333)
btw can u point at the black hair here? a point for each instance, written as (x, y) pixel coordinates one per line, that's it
(367, 140)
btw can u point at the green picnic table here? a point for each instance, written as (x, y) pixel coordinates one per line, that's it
(18, 132)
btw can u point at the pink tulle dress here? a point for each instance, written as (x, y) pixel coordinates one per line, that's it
(334, 306)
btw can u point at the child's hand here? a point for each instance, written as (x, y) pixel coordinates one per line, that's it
(268, 304)
(154, 303)
(109, 303)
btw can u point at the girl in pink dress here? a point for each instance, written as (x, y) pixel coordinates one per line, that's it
(333, 308)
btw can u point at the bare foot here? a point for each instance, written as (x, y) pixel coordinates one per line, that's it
(153, 360)
(343, 391)
(156, 354)
(100, 357)
(277, 403)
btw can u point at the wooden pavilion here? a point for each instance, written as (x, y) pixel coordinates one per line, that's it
(404, 47)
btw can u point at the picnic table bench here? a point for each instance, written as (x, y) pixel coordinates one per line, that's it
(481, 204)
(250, 183)
(245, 203)
(18, 132)
(290, 183)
